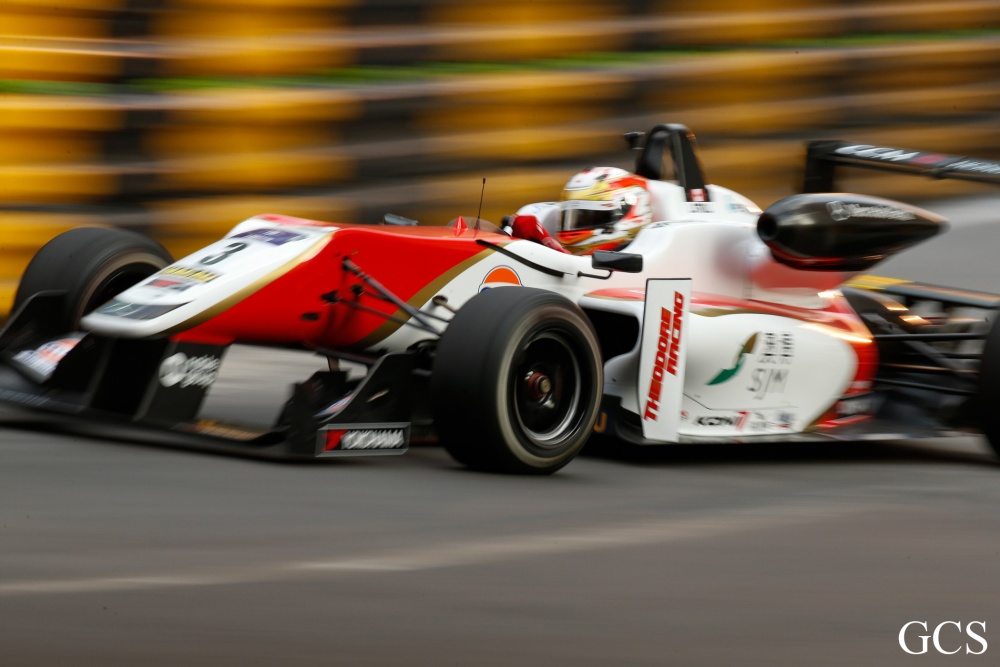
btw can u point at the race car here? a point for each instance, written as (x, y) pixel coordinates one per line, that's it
(687, 314)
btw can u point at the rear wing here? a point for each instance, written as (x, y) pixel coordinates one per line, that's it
(822, 158)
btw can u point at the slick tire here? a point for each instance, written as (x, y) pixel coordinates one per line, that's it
(517, 382)
(91, 265)
(988, 397)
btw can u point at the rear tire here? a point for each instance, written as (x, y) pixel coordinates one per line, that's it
(91, 265)
(517, 382)
(988, 398)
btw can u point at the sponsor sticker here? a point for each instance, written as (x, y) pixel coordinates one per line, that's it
(841, 211)
(501, 276)
(748, 421)
(854, 406)
(180, 370)
(44, 358)
(772, 353)
(272, 236)
(173, 284)
(360, 439)
(662, 357)
(878, 152)
(200, 275)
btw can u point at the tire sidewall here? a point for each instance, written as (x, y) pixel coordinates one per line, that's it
(94, 292)
(572, 329)
(90, 265)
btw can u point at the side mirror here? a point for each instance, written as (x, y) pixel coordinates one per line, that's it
(610, 260)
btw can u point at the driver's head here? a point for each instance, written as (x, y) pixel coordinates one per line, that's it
(603, 208)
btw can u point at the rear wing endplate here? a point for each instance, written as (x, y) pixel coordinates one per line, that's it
(822, 158)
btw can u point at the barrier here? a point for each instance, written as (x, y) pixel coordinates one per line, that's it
(182, 119)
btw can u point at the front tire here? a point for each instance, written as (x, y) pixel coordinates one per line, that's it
(988, 398)
(517, 382)
(91, 265)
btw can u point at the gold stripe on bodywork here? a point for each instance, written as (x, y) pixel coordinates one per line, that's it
(874, 282)
(256, 285)
(719, 311)
(389, 327)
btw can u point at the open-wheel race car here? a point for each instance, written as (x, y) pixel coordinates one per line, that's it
(704, 319)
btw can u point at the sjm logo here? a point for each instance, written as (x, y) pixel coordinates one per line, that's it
(908, 637)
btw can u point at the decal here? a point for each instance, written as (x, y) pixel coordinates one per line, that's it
(46, 357)
(748, 421)
(338, 405)
(216, 429)
(730, 420)
(727, 374)
(228, 251)
(272, 236)
(667, 346)
(778, 348)
(878, 152)
(854, 406)
(975, 167)
(770, 373)
(501, 276)
(700, 207)
(184, 371)
(764, 381)
(930, 159)
(364, 439)
(663, 357)
(697, 195)
(360, 439)
(200, 275)
(840, 211)
(174, 284)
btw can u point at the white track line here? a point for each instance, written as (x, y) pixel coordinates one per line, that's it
(455, 554)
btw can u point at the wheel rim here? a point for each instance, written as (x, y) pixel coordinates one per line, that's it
(546, 382)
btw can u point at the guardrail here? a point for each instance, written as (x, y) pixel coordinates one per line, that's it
(92, 136)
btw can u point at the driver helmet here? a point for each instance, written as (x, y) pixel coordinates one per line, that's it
(603, 208)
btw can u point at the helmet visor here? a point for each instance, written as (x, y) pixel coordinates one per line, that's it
(590, 214)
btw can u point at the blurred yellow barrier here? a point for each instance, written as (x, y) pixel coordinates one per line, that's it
(263, 105)
(24, 61)
(253, 170)
(57, 183)
(467, 96)
(50, 112)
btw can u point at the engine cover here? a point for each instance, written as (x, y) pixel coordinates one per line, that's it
(842, 232)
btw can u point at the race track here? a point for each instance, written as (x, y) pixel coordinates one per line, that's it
(117, 553)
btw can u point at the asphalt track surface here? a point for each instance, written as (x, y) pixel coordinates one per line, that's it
(117, 553)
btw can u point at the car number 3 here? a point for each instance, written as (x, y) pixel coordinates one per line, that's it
(232, 248)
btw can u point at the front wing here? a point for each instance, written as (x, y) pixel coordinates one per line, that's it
(159, 386)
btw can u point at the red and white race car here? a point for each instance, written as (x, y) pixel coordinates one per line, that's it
(710, 321)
